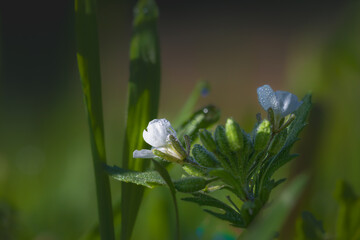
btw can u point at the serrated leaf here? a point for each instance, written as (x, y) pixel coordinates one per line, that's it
(147, 179)
(281, 160)
(229, 213)
(300, 121)
(206, 200)
(233, 218)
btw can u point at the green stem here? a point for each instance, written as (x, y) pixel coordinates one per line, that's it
(89, 68)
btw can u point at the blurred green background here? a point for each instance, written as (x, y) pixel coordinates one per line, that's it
(46, 176)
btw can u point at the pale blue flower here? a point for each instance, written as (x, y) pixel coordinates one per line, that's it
(157, 135)
(282, 103)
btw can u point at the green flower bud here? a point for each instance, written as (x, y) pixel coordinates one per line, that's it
(221, 140)
(204, 157)
(234, 135)
(187, 142)
(194, 170)
(224, 162)
(166, 156)
(177, 146)
(262, 137)
(190, 184)
(248, 144)
(207, 140)
(278, 142)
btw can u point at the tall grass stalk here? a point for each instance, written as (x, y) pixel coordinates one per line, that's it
(89, 68)
(143, 102)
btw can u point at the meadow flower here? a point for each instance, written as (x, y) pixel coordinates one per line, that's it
(162, 137)
(282, 103)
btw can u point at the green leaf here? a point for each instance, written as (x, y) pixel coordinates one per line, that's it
(165, 175)
(143, 102)
(200, 89)
(89, 69)
(147, 179)
(207, 140)
(204, 157)
(300, 120)
(229, 214)
(267, 224)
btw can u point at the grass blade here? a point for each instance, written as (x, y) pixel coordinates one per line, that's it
(89, 68)
(143, 101)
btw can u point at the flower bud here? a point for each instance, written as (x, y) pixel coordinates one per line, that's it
(262, 137)
(177, 146)
(221, 140)
(196, 171)
(278, 142)
(204, 157)
(190, 184)
(207, 140)
(234, 135)
(187, 142)
(166, 156)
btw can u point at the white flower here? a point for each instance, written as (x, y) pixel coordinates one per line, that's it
(157, 135)
(282, 103)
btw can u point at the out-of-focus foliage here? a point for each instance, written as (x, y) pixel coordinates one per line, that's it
(143, 103)
(309, 228)
(330, 66)
(348, 219)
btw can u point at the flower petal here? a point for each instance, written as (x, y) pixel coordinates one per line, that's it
(157, 132)
(288, 102)
(267, 98)
(143, 153)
